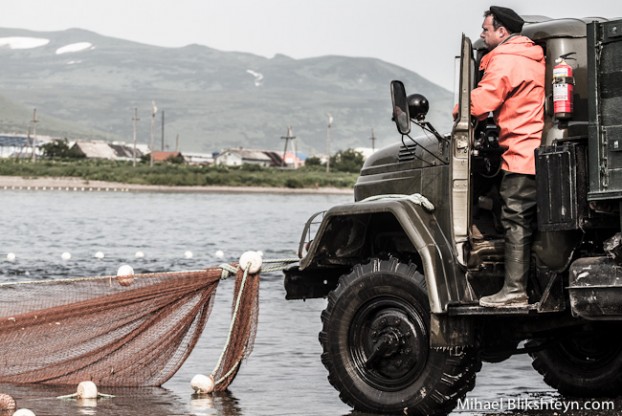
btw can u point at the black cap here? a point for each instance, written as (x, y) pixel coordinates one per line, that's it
(508, 18)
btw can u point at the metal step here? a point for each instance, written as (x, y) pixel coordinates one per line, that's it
(531, 309)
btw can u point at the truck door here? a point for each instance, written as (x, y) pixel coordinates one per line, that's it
(460, 160)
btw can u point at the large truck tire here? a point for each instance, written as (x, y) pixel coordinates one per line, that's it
(376, 337)
(583, 364)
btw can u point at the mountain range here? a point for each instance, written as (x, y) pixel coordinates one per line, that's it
(87, 86)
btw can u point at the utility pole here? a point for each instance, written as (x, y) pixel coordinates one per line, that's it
(134, 120)
(295, 151)
(373, 141)
(287, 139)
(330, 123)
(154, 110)
(162, 145)
(34, 133)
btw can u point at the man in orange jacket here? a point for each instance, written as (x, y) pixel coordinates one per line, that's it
(512, 88)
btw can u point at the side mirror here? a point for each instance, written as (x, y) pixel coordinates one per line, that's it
(401, 115)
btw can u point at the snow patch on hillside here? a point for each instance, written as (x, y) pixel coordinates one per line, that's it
(258, 77)
(74, 47)
(19, 42)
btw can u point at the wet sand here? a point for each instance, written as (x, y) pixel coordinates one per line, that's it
(78, 184)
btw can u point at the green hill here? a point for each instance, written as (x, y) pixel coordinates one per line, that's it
(85, 85)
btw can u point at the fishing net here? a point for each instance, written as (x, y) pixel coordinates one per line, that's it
(132, 330)
(242, 332)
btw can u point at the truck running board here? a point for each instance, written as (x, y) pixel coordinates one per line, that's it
(531, 309)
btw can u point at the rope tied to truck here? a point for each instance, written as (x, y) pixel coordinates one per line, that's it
(416, 199)
(125, 330)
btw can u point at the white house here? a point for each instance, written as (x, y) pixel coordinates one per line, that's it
(199, 158)
(238, 157)
(95, 150)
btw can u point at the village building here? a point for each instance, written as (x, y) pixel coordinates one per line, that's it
(162, 157)
(20, 145)
(106, 150)
(199, 158)
(94, 150)
(240, 156)
(124, 151)
(292, 160)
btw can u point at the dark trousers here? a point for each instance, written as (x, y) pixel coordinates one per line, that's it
(518, 215)
(519, 219)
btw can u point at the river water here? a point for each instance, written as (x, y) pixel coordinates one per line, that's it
(179, 231)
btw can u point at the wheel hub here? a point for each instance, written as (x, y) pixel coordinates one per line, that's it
(392, 345)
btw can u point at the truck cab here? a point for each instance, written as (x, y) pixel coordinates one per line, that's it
(403, 267)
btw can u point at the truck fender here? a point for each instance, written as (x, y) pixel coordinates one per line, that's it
(342, 239)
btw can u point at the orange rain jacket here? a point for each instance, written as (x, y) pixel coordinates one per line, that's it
(512, 88)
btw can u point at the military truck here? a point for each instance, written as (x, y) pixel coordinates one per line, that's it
(404, 266)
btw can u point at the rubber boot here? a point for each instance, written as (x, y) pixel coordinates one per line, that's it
(513, 294)
(518, 195)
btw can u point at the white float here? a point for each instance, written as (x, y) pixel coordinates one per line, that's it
(24, 412)
(125, 270)
(125, 275)
(202, 384)
(251, 261)
(86, 390)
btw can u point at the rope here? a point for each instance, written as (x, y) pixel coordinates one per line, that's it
(233, 318)
(277, 265)
(416, 198)
(91, 278)
(228, 373)
(227, 270)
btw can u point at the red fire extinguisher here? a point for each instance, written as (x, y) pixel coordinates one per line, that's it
(563, 86)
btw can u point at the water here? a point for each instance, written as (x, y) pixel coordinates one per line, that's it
(284, 375)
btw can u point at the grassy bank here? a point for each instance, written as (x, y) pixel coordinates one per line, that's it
(178, 174)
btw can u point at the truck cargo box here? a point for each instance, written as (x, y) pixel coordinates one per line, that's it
(604, 40)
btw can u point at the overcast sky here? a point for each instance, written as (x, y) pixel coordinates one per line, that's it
(420, 35)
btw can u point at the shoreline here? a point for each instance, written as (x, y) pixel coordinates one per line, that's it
(8, 183)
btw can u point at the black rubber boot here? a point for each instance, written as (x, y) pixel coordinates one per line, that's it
(518, 215)
(513, 294)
